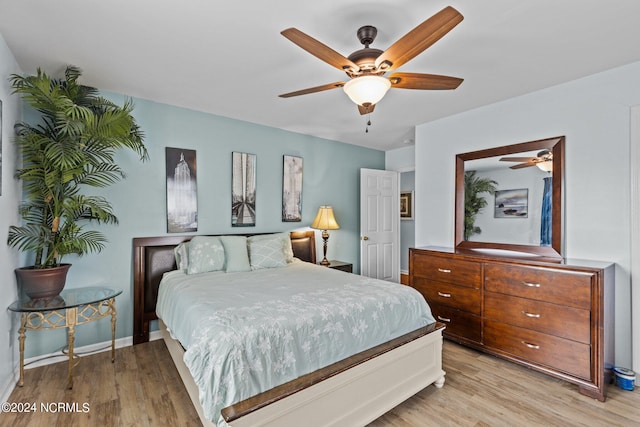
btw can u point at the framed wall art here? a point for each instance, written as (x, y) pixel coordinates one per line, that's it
(292, 189)
(182, 195)
(511, 203)
(243, 190)
(406, 205)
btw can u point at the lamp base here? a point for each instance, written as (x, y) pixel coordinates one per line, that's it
(325, 238)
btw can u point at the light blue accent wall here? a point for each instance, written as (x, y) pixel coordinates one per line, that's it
(407, 227)
(331, 176)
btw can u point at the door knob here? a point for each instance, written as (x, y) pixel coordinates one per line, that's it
(365, 238)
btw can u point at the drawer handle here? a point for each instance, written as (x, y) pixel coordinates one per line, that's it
(444, 295)
(531, 285)
(444, 319)
(534, 315)
(533, 346)
(444, 270)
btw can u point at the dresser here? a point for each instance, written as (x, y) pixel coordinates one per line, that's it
(554, 316)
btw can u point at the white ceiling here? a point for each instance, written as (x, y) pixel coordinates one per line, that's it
(228, 58)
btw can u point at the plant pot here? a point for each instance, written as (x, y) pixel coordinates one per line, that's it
(40, 283)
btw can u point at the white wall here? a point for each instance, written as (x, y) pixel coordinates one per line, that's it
(635, 233)
(11, 113)
(401, 159)
(594, 115)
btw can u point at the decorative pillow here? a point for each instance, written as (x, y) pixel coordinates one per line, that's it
(181, 254)
(206, 253)
(266, 253)
(236, 254)
(286, 244)
(285, 240)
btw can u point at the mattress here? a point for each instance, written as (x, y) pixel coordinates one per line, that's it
(247, 332)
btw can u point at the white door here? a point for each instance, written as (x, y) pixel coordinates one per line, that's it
(380, 224)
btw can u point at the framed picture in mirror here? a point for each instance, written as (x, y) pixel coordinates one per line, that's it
(511, 203)
(406, 205)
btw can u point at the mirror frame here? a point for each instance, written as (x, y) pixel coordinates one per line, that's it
(556, 145)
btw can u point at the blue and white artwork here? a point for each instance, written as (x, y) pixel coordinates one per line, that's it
(512, 203)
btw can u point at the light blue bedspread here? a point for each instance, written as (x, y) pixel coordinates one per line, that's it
(245, 333)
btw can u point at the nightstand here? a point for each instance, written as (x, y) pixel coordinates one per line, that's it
(340, 265)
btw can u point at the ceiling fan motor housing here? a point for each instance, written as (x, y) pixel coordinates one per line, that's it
(365, 58)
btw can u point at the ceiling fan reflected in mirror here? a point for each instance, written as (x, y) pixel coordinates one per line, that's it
(543, 160)
(367, 67)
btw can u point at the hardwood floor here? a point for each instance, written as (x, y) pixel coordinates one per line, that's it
(142, 388)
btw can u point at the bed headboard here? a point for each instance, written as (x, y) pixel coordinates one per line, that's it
(153, 256)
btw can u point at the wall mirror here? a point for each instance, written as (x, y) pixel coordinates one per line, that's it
(522, 215)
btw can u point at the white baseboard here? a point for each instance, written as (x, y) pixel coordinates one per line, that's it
(58, 356)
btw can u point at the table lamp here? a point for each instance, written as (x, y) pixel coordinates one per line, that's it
(325, 220)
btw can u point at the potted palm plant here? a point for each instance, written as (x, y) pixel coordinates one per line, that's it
(68, 152)
(473, 201)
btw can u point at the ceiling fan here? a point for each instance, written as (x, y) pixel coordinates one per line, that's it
(366, 67)
(543, 160)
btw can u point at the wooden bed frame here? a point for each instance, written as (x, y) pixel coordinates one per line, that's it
(354, 391)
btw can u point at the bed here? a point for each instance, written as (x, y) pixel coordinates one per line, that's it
(353, 389)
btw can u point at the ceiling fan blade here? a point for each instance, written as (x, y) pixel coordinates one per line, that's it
(320, 50)
(312, 90)
(419, 39)
(522, 165)
(366, 109)
(518, 159)
(424, 81)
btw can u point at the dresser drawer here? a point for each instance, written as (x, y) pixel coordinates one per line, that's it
(459, 272)
(540, 283)
(562, 321)
(459, 323)
(558, 353)
(454, 296)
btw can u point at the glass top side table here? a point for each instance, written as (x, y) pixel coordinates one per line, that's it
(71, 308)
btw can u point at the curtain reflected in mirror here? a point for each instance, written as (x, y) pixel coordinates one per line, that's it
(545, 227)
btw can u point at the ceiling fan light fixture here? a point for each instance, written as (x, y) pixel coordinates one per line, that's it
(367, 89)
(546, 166)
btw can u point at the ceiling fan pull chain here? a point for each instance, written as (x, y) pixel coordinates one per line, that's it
(366, 130)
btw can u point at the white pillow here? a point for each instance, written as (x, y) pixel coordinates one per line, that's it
(206, 253)
(266, 253)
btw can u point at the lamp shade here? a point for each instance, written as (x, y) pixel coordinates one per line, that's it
(325, 220)
(367, 89)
